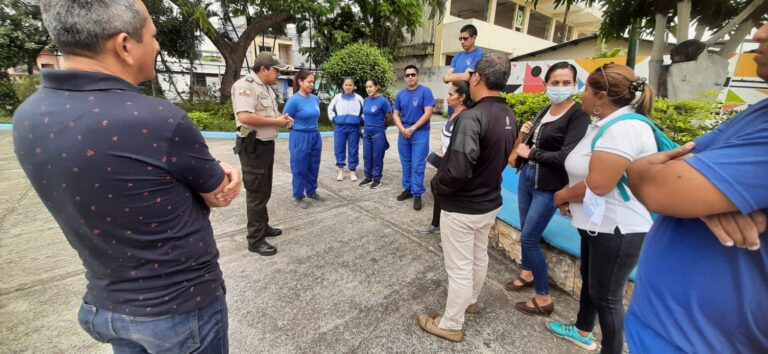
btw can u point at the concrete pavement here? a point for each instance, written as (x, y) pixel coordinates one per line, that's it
(351, 273)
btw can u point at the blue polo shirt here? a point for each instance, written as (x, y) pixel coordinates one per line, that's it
(464, 61)
(412, 103)
(693, 294)
(375, 110)
(122, 174)
(305, 111)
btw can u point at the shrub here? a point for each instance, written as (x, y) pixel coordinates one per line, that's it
(207, 121)
(8, 99)
(25, 86)
(682, 121)
(360, 62)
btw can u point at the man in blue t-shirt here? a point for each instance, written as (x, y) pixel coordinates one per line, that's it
(695, 293)
(413, 109)
(465, 61)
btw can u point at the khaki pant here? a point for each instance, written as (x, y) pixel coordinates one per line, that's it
(465, 250)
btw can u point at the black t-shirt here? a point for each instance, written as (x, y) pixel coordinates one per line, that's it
(122, 174)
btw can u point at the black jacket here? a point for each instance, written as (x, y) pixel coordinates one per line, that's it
(469, 178)
(555, 141)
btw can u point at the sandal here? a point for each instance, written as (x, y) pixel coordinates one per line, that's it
(511, 286)
(537, 310)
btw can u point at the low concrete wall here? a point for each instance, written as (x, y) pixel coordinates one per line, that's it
(563, 268)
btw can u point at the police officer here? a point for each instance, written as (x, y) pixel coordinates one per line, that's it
(257, 117)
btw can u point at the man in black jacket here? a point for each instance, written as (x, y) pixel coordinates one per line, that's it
(468, 187)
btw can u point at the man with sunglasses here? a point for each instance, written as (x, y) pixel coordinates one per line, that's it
(413, 109)
(464, 62)
(256, 113)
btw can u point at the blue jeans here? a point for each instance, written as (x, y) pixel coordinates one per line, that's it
(413, 157)
(201, 331)
(346, 137)
(536, 210)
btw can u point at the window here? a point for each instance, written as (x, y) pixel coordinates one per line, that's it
(559, 36)
(264, 48)
(505, 14)
(448, 59)
(467, 9)
(199, 80)
(538, 25)
(285, 53)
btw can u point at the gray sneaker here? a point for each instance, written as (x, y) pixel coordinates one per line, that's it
(301, 203)
(429, 229)
(316, 197)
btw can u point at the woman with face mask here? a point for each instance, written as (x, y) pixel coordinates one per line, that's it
(611, 221)
(541, 156)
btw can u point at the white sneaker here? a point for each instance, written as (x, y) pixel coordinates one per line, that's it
(340, 175)
(352, 176)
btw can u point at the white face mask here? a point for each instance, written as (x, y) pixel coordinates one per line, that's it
(594, 206)
(559, 94)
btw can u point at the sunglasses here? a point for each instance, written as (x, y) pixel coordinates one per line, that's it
(464, 39)
(410, 75)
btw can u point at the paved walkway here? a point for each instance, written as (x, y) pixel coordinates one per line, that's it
(351, 273)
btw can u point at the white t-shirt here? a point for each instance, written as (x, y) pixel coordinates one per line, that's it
(631, 139)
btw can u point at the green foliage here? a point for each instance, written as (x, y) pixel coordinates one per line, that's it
(602, 51)
(682, 121)
(22, 35)
(360, 62)
(383, 23)
(210, 115)
(526, 105)
(25, 86)
(8, 99)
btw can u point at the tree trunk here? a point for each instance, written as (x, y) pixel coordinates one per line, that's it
(234, 63)
(736, 38)
(657, 51)
(683, 20)
(743, 15)
(565, 22)
(171, 81)
(700, 30)
(192, 85)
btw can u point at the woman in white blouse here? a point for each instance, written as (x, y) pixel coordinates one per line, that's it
(611, 221)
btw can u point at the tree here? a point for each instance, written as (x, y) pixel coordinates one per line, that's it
(259, 16)
(360, 62)
(732, 18)
(22, 34)
(383, 23)
(178, 38)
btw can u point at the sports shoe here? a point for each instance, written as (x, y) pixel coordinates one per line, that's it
(571, 334)
(429, 324)
(340, 175)
(429, 229)
(403, 196)
(301, 203)
(365, 181)
(316, 197)
(375, 184)
(417, 203)
(352, 176)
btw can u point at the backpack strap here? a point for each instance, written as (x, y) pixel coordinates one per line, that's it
(623, 181)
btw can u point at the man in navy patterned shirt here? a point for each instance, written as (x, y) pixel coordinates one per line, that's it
(130, 181)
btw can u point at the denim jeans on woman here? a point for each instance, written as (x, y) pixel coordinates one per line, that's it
(536, 210)
(201, 331)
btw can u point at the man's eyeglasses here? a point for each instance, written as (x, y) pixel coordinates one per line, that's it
(464, 39)
(410, 75)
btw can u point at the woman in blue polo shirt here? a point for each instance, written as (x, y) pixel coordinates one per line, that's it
(377, 112)
(304, 143)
